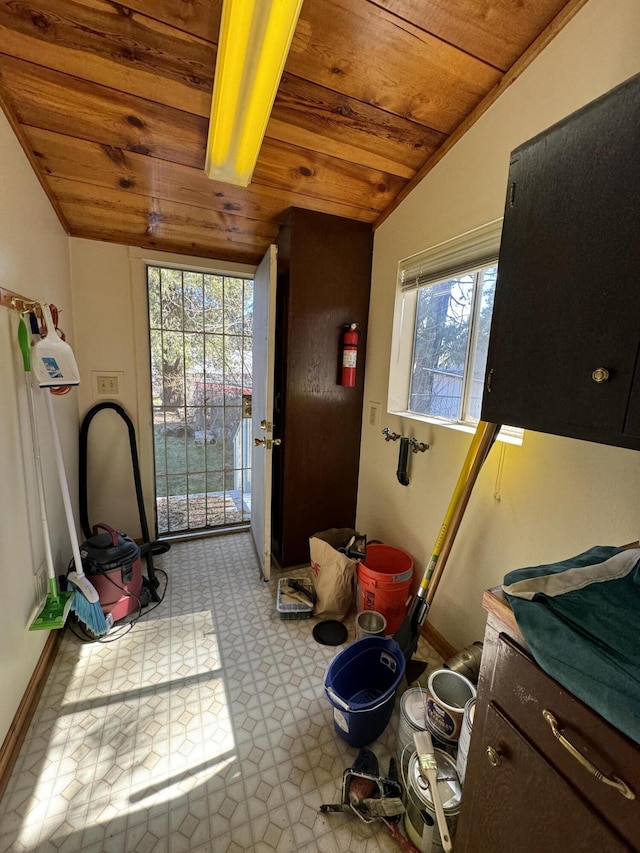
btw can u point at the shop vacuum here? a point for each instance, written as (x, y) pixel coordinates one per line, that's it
(111, 560)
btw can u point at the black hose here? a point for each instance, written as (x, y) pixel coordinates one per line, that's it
(403, 462)
(148, 547)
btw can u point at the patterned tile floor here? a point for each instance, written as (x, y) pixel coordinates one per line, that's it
(204, 729)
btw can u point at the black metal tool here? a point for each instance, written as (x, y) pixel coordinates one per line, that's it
(307, 593)
(403, 462)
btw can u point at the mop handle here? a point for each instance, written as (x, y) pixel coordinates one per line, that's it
(486, 443)
(453, 503)
(35, 440)
(64, 487)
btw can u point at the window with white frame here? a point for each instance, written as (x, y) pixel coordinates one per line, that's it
(451, 336)
(441, 328)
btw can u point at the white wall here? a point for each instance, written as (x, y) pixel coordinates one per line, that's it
(34, 261)
(555, 496)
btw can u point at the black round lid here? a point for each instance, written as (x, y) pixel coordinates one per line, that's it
(330, 632)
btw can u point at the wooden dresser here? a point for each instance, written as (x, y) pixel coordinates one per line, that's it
(524, 790)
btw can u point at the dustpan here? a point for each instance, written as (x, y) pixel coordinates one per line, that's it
(52, 360)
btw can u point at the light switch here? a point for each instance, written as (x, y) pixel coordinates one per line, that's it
(107, 384)
(373, 415)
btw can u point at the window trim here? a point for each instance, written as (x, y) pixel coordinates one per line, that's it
(466, 253)
(452, 258)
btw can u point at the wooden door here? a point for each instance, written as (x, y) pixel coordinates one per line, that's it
(323, 284)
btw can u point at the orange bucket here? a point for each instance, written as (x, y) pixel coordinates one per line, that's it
(384, 583)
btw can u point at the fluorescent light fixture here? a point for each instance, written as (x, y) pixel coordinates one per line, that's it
(255, 36)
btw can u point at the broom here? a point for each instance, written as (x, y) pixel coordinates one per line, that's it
(86, 601)
(55, 609)
(55, 366)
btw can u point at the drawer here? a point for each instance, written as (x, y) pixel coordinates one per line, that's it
(519, 802)
(523, 691)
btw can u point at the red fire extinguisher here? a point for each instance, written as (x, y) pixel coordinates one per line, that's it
(349, 355)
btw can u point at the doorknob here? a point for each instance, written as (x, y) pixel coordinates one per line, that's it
(267, 442)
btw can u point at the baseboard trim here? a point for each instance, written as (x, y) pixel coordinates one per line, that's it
(435, 639)
(12, 744)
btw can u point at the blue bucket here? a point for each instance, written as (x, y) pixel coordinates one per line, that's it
(361, 684)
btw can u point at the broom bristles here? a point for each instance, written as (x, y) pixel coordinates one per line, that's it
(87, 612)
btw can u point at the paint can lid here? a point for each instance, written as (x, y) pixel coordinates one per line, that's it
(449, 787)
(330, 632)
(470, 710)
(413, 705)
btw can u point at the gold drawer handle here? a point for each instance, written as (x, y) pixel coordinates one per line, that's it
(613, 781)
(493, 757)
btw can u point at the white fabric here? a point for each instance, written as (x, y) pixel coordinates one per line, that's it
(558, 583)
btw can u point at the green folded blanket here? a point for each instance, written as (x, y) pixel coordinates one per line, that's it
(581, 619)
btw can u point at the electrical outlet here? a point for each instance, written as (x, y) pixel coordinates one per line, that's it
(373, 415)
(107, 384)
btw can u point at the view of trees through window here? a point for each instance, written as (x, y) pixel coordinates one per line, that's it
(453, 319)
(200, 328)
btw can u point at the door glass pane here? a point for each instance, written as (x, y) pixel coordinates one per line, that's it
(200, 343)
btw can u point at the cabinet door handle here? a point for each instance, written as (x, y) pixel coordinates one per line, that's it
(600, 374)
(613, 781)
(489, 381)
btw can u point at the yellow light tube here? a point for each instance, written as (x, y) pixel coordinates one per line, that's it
(255, 37)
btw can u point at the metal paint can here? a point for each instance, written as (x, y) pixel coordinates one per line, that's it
(420, 818)
(370, 623)
(447, 694)
(465, 737)
(412, 719)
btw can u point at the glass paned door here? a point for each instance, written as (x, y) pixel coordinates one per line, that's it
(200, 328)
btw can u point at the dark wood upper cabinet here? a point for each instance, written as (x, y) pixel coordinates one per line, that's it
(565, 333)
(324, 279)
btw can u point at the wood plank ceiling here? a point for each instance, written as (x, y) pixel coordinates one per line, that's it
(111, 102)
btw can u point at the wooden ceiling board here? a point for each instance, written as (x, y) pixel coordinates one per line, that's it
(491, 30)
(111, 101)
(75, 159)
(108, 44)
(364, 52)
(329, 122)
(44, 98)
(294, 169)
(199, 17)
(168, 240)
(113, 209)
